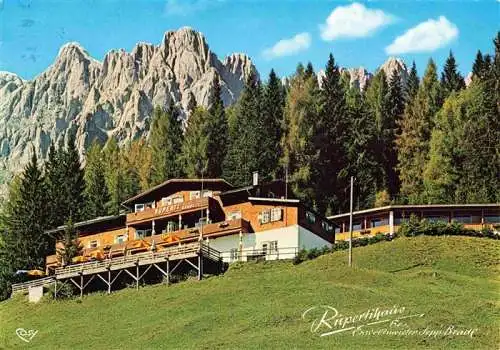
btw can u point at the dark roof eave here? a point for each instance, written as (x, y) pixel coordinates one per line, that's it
(86, 222)
(416, 206)
(152, 189)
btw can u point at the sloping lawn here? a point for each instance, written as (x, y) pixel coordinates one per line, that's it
(443, 281)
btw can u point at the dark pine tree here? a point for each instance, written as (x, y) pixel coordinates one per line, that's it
(272, 131)
(330, 141)
(96, 192)
(54, 179)
(395, 109)
(451, 80)
(194, 155)
(73, 186)
(114, 176)
(244, 152)
(166, 141)
(412, 83)
(218, 133)
(478, 68)
(309, 70)
(361, 150)
(28, 245)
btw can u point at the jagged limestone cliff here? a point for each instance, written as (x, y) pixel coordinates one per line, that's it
(95, 100)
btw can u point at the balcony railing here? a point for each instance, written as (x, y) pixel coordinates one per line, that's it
(163, 241)
(249, 254)
(17, 287)
(169, 210)
(174, 253)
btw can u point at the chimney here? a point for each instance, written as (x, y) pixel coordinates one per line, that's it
(255, 177)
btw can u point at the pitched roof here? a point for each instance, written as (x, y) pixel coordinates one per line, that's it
(226, 185)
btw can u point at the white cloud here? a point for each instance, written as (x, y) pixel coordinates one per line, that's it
(288, 47)
(186, 7)
(353, 21)
(427, 36)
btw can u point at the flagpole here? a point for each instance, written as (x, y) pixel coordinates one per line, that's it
(350, 224)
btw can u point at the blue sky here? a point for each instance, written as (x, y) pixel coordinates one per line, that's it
(276, 34)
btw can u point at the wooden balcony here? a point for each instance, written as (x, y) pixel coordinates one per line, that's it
(174, 253)
(162, 241)
(169, 210)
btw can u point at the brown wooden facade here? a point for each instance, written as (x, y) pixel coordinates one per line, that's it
(179, 211)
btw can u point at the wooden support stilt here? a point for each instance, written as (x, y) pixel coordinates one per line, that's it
(116, 277)
(104, 280)
(109, 280)
(81, 284)
(55, 289)
(137, 275)
(193, 265)
(177, 265)
(200, 266)
(168, 272)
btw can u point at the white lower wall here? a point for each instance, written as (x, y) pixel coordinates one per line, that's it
(287, 238)
(290, 239)
(309, 240)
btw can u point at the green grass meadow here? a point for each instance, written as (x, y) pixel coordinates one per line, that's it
(452, 281)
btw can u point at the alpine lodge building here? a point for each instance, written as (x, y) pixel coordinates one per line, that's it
(199, 225)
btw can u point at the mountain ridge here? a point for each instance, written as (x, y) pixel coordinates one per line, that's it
(114, 97)
(92, 99)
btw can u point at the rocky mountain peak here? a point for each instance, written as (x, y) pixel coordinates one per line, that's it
(395, 65)
(96, 100)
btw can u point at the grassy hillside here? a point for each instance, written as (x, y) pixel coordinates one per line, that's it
(451, 280)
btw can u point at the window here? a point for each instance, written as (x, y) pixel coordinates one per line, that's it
(437, 218)
(276, 214)
(273, 246)
(178, 199)
(207, 193)
(234, 215)
(194, 195)
(120, 239)
(337, 229)
(492, 219)
(233, 254)
(143, 206)
(356, 226)
(379, 222)
(311, 218)
(93, 244)
(265, 216)
(463, 219)
(172, 200)
(172, 226)
(143, 233)
(270, 247)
